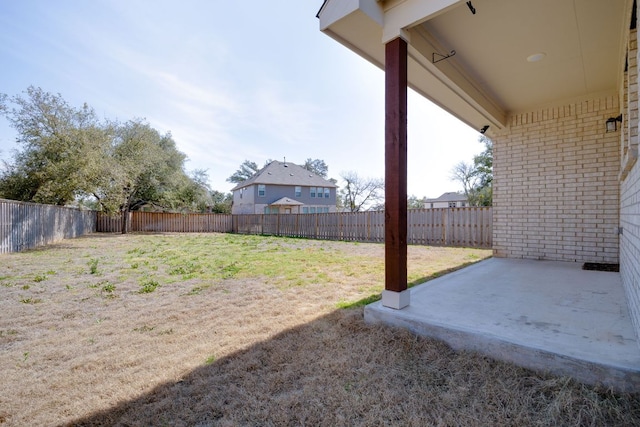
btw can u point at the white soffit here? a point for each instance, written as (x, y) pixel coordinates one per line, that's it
(579, 41)
(577, 44)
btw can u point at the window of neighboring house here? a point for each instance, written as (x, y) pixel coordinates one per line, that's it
(464, 204)
(431, 205)
(241, 191)
(312, 210)
(452, 204)
(262, 190)
(325, 210)
(298, 191)
(312, 190)
(327, 193)
(305, 210)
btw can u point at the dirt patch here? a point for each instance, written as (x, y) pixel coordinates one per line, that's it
(218, 342)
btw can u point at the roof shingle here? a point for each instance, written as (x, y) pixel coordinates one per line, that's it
(285, 173)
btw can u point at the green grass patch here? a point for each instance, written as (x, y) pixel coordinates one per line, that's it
(283, 262)
(93, 265)
(360, 303)
(108, 290)
(148, 286)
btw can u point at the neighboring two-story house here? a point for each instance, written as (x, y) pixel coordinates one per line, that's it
(447, 200)
(282, 187)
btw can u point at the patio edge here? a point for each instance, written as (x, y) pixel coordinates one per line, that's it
(619, 378)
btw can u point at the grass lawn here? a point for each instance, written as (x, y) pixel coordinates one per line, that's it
(218, 329)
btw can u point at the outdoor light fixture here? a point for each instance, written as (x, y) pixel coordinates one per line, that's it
(484, 129)
(612, 123)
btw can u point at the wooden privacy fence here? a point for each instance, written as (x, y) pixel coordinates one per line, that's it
(161, 222)
(444, 227)
(472, 227)
(29, 225)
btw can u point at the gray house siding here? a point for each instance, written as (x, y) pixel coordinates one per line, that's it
(244, 200)
(279, 180)
(276, 192)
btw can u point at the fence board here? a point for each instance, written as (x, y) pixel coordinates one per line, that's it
(29, 225)
(443, 227)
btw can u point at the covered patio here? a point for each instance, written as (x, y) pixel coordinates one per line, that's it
(545, 315)
(554, 84)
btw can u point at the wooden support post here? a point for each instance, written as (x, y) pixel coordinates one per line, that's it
(396, 294)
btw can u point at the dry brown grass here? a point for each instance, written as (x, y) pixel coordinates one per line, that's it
(248, 349)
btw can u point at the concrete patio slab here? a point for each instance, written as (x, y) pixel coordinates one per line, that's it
(545, 315)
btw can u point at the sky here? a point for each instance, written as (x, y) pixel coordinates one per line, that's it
(231, 80)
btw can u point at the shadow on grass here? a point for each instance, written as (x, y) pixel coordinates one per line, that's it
(377, 296)
(337, 370)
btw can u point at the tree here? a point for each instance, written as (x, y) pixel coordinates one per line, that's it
(247, 170)
(466, 175)
(317, 166)
(477, 178)
(69, 157)
(199, 191)
(148, 168)
(484, 166)
(60, 145)
(188, 192)
(221, 202)
(414, 203)
(360, 194)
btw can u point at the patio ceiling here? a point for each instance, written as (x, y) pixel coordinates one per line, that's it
(581, 42)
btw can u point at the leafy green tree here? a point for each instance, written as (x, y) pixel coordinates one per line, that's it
(317, 166)
(197, 193)
(148, 169)
(483, 163)
(247, 170)
(69, 157)
(221, 202)
(59, 146)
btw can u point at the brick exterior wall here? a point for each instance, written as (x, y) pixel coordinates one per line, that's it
(630, 243)
(556, 184)
(630, 188)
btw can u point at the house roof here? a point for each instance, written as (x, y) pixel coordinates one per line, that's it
(286, 201)
(448, 197)
(285, 173)
(486, 59)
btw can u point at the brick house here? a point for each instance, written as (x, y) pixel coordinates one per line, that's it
(554, 84)
(285, 188)
(447, 200)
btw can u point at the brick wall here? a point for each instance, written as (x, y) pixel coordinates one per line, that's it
(630, 188)
(556, 188)
(630, 243)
